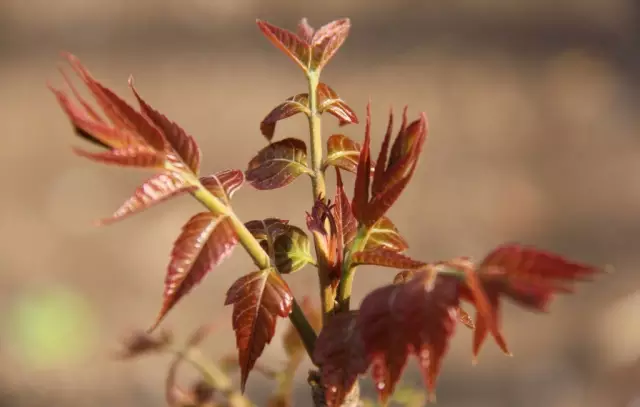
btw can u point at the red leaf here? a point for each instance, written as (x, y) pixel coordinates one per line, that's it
(206, 240)
(156, 189)
(386, 258)
(327, 40)
(346, 223)
(361, 190)
(267, 228)
(398, 174)
(329, 101)
(310, 50)
(119, 112)
(288, 42)
(258, 298)
(417, 317)
(343, 153)
(293, 105)
(278, 164)
(182, 143)
(528, 276)
(340, 354)
(223, 184)
(134, 156)
(326, 242)
(385, 234)
(378, 175)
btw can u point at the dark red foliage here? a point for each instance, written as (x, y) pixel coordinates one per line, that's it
(258, 298)
(340, 354)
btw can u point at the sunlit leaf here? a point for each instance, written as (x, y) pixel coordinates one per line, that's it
(206, 240)
(327, 40)
(182, 143)
(386, 258)
(385, 234)
(398, 173)
(346, 223)
(288, 42)
(119, 112)
(293, 105)
(258, 298)
(223, 184)
(155, 190)
(417, 317)
(278, 164)
(292, 250)
(340, 354)
(134, 156)
(342, 152)
(329, 101)
(361, 189)
(310, 49)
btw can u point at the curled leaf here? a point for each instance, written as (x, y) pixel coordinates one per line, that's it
(385, 234)
(342, 152)
(278, 164)
(417, 317)
(134, 156)
(292, 250)
(386, 258)
(206, 240)
(223, 184)
(361, 189)
(293, 105)
(340, 354)
(258, 298)
(157, 189)
(346, 223)
(329, 101)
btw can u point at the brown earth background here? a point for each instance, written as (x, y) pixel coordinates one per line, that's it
(533, 138)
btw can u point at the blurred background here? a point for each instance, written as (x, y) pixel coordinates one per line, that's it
(533, 138)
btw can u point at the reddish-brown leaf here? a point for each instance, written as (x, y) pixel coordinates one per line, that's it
(258, 298)
(417, 317)
(184, 145)
(267, 228)
(385, 234)
(278, 164)
(346, 223)
(398, 174)
(134, 156)
(206, 240)
(289, 43)
(381, 165)
(329, 101)
(386, 258)
(361, 189)
(86, 126)
(293, 105)
(305, 31)
(343, 153)
(119, 112)
(223, 184)
(465, 319)
(155, 190)
(340, 354)
(528, 276)
(327, 40)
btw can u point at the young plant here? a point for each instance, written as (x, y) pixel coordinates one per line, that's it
(415, 314)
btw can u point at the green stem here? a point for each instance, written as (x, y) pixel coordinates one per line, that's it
(258, 254)
(318, 188)
(348, 271)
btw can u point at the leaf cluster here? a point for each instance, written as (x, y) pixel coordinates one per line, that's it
(416, 314)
